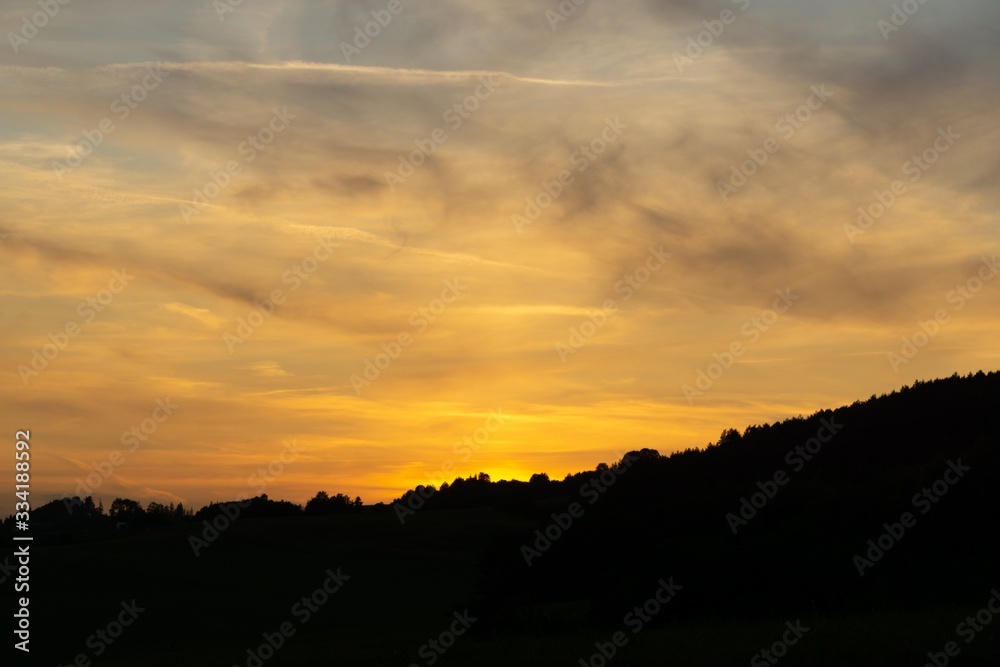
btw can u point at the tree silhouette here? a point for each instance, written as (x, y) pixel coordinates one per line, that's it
(324, 503)
(126, 510)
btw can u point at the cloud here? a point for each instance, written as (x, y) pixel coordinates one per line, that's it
(393, 245)
(269, 369)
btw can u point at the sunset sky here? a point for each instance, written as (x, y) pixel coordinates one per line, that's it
(559, 218)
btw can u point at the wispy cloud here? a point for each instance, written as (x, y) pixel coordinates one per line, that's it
(535, 140)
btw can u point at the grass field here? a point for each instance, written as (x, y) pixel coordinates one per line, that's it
(405, 583)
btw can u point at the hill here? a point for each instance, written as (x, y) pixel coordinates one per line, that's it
(871, 525)
(886, 504)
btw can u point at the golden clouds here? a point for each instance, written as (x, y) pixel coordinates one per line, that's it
(309, 213)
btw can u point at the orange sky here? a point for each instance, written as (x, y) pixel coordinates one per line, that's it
(563, 228)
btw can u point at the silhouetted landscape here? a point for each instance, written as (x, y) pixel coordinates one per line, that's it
(861, 535)
(554, 333)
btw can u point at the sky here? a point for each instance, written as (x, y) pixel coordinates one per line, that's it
(283, 247)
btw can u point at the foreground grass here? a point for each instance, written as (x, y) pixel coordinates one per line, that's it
(899, 638)
(405, 582)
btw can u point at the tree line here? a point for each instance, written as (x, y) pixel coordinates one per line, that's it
(83, 514)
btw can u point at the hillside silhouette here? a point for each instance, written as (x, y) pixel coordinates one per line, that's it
(685, 516)
(885, 506)
(842, 475)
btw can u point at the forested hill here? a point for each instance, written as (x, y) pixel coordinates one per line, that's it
(913, 426)
(886, 504)
(890, 502)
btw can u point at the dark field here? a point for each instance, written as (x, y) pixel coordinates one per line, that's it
(405, 583)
